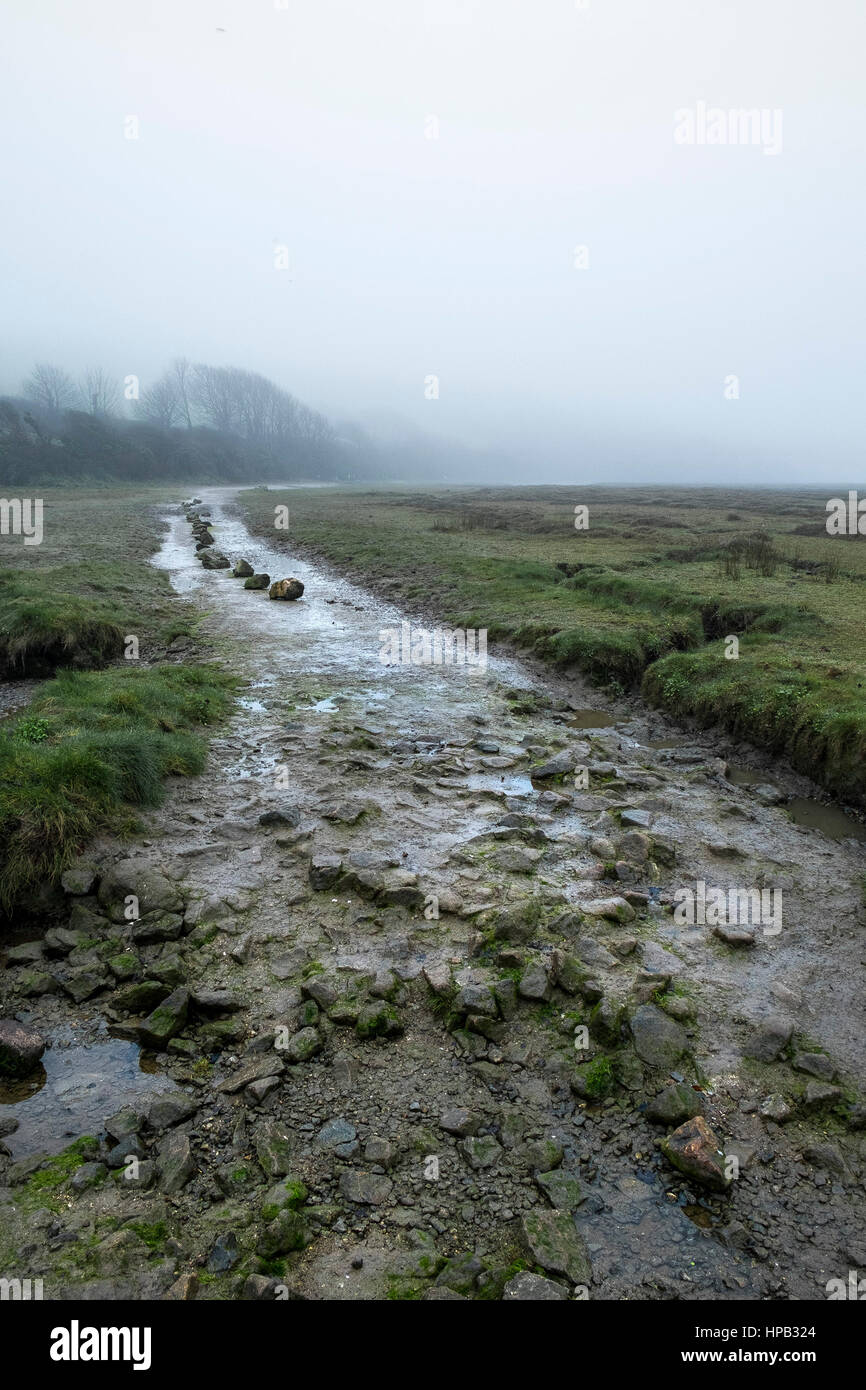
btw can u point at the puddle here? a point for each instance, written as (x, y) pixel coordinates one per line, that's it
(74, 1091)
(591, 719)
(832, 821)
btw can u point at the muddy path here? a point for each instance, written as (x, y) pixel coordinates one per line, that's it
(432, 922)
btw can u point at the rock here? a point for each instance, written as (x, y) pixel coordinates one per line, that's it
(336, 1132)
(322, 989)
(476, 999)
(215, 1001)
(567, 971)
(224, 1255)
(184, 1288)
(825, 1156)
(770, 1040)
(734, 934)
(533, 1288)
(242, 570)
(88, 1175)
(157, 926)
(272, 1147)
(256, 1070)
(20, 1048)
(818, 1094)
(460, 1122)
(602, 848)
(562, 1189)
(175, 1164)
(613, 909)
(140, 997)
(303, 1045)
(286, 589)
(379, 1151)
(258, 581)
(324, 871)
(775, 1108)
(132, 878)
(214, 560)
(557, 766)
(552, 1241)
(79, 879)
(768, 795)
(658, 1040)
(163, 1111)
(167, 1019)
(695, 1151)
(481, 1151)
(285, 815)
(635, 817)
(378, 1019)
(534, 983)
(815, 1064)
(459, 1274)
(675, 1104)
(28, 953)
(287, 1232)
(364, 1189)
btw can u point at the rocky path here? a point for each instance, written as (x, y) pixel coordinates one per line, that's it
(430, 1025)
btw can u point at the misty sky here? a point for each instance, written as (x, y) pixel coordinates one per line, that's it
(307, 126)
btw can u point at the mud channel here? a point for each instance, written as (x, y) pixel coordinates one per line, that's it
(408, 823)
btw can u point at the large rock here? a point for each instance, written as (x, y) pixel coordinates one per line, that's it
(131, 878)
(176, 1164)
(552, 1241)
(257, 581)
(770, 1040)
(695, 1150)
(242, 570)
(167, 1019)
(286, 589)
(20, 1048)
(675, 1104)
(658, 1040)
(214, 560)
(364, 1189)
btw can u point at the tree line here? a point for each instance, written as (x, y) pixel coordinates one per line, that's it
(195, 421)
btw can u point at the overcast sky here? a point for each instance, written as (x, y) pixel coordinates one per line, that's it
(418, 250)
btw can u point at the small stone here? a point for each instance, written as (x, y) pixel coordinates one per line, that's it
(695, 1151)
(770, 1040)
(526, 1287)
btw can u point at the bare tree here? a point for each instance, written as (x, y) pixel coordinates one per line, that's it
(99, 391)
(161, 404)
(182, 372)
(50, 387)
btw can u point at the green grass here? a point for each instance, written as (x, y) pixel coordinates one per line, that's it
(110, 739)
(43, 626)
(642, 600)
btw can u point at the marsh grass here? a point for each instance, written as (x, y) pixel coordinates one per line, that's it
(107, 740)
(619, 603)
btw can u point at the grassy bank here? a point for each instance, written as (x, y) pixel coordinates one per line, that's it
(93, 745)
(71, 600)
(644, 598)
(89, 749)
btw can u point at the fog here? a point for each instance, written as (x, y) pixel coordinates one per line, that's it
(430, 167)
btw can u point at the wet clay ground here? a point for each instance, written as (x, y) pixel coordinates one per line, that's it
(424, 924)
